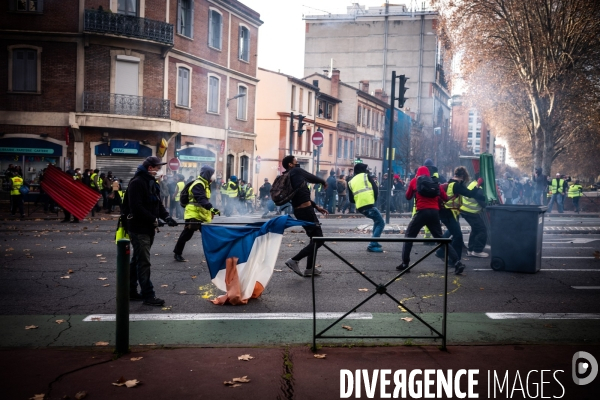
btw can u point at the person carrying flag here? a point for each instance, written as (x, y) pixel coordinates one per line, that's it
(198, 210)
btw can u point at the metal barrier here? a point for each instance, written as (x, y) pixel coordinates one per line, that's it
(122, 333)
(381, 288)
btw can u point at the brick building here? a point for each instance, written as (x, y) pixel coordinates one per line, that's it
(470, 130)
(100, 84)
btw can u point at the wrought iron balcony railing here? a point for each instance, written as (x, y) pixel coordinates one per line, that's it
(123, 104)
(127, 25)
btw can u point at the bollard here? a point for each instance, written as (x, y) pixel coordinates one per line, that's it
(122, 334)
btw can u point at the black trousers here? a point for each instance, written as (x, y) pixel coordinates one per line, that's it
(478, 236)
(430, 218)
(308, 214)
(186, 235)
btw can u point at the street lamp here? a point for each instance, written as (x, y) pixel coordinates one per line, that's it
(237, 96)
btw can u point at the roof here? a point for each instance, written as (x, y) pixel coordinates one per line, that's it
(293, 79)
(358, 91)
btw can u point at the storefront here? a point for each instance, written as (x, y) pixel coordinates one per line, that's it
(31, 154)
(193, 158)
(121, 157)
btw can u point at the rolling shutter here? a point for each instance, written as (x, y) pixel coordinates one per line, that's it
(122, 167)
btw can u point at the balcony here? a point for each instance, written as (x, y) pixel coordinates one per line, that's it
(123, 104)
(129, 26)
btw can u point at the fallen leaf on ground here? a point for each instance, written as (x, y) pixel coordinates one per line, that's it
(319, 355)
(164, 285)
(96, 319)
(28, 327)
(70, 271)
(69, 252)
(243, 379)
(81, 395)
(108, 284)
(407, 319)
(95, 242)
(98, 255)
(60, 321)
(136, 358)
(480, 288)
(231, 384)
(278, 270)
(38, 396)
(194, 276)
(101, 344)
(166, 308)
(102, 261)
(289, 245)
(130, 383)
(597, 254)
(347, 327)
(102, 279)
(183, 292)
(363, 290)
(102, 258)
(61, 247)
(245, 357)
(65, 277)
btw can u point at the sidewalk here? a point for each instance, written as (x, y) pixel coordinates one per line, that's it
(281, 372)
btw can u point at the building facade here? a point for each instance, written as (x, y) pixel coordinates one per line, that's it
(470, 130)
(367, 44)
(101, 84)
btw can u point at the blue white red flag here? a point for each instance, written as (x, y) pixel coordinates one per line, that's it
(241, 258)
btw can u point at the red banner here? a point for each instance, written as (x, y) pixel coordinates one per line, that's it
(72, 195)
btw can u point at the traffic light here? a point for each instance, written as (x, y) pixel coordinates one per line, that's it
(291, 123)
(403, 89)
(300, 125)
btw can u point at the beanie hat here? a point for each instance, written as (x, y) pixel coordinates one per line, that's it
(428, 163)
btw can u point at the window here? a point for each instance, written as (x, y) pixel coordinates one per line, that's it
(244, 44)
(301, 101)
(478, 135)
(308, 139)
(242, 103)
(213, 94)
(25, 72)
(339, 148)
(244, 167)
(358, 115)
(310, 103)
(352, 149)
(369, 118)
(345, 148)
(185, 17)
(215, 28)
(330, 144)
(26, 5)
(183, 87)
(376, 121)
(230, 161)
(329, 112)
(320, 109)
(127, 7)
(293, 99)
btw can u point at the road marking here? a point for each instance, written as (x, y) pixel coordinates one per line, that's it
(223, 316)
(586, 258)
(550, 269)
(586, 287)
(576, 240)
(542, 316)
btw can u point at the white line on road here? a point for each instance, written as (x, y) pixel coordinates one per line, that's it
(567, 248)
(586, 287)
(223, 316)
(542, 316)
(568, 241)
(551, 270)
(586, 258)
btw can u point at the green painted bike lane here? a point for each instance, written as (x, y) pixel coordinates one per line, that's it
(462, 328)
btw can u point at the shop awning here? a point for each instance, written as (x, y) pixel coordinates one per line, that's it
(72, 195)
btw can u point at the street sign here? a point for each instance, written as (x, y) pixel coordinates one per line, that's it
(174, 164)
(317, 138)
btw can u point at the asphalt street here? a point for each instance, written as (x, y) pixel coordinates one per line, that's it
(53, 269)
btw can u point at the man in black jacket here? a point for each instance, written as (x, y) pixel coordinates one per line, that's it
(265, 195)
(304, 210)
(144, 209)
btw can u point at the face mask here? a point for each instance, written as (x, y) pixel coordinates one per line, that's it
(152, 172)
(296, 165)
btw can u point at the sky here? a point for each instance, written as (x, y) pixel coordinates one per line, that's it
(281, 37)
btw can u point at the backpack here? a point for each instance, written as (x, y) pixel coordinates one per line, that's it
(282, 191)
(340, 187)
(24, 189)
(426, 187)
(184, 196)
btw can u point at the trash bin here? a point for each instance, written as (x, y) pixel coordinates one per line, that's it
(516, 237)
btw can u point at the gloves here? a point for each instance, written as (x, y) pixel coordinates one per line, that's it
(160, 223)
(215, 211)
(171, 222)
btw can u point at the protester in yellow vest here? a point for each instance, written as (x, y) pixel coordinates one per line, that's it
(198, 210)
(363, 192)
(16, 198)
(231, 191)
(575, 193)
(178, 190)
(556, 188)
(470, 210)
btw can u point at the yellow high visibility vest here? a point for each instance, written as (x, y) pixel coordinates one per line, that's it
(180, 185)
(362, 190)
(470, 205)
(231, 192)
(17, 182)
(454, 200)
(193, 210)
(93, 180)
(558, 184)
(574, 191)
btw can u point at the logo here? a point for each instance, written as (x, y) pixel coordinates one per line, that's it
(585, 368)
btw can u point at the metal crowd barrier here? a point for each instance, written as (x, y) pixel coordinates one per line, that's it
(382, 288)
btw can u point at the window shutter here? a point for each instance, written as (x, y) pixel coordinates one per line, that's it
(185, 87)
(179, 85)
(210, 28)
(240, 42)
(220, 30)
(40, 6)
(31, 71)
(18, 70)
(191, 23)
(179, 5)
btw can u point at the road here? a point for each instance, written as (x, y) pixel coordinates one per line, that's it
(51, 270)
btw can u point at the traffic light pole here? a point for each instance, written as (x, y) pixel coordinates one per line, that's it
(389, 149)
(291, 133)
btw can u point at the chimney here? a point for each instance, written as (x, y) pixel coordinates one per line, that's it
(335, 82)
(378, 93)
(364, 86)
(384, 97)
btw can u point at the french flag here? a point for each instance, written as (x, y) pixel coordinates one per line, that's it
(241, 258)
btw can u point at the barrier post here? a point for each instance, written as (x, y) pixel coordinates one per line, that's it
(122, 334)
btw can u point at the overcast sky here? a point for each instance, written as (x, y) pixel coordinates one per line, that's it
(281, 37)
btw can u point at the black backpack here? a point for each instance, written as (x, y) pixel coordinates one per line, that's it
(184, 196)
(282, 191)
(426, 187)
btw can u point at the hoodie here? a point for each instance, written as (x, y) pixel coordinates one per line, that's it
(199, 192)
(361, 168)
(143, 196)
(422, 201)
